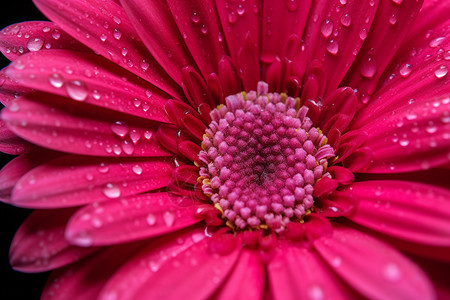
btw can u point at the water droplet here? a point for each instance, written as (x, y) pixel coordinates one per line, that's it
(446, 55)
(346, 20)
(168, 218)
(56, 80)
(35, 44)
(111, 191)
(332, 47)
(404, 142)
(135, 136)
(397, 1)
(315, 292)
(137, 169)
(89, 176)
(102, 168)
(151, 219)
(144, 65)
(441, 71)
(240, 10)
(343, 2)
(292, 5)
(393, 19)
(363, 34)
(117, 20)
(204, 30)
(326, 28)
(83, 240)
(411, 116)
(436, 42)
(76, 90)
(431, 128)
(392, 272)
(127, 147)
(117, 34)
(148, 135)
(368, 68)
(405, 70)
(336, 262)
(119, 128)
(195, 18)
(103, 37)
(232, 17)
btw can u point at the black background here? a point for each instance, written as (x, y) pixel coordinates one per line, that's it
(15, 285)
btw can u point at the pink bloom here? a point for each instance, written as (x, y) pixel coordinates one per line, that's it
(155, 176)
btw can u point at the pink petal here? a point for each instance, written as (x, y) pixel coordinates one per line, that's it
(330, 28)
(74, 180)
(72, 126)
(182, 261)
(299, 273)
(409, 137)
(103, 83)
(156, 27)
(11, 143)
(372, 267)
(285, 22)
(129, 219)
(86, 22)
(198, 21)
(16, 168)
(241, 22)
(246, 280)
(10, 89)
(19, 39)
(406, 210)
(86, 279)
(39, 244)
(387, 32)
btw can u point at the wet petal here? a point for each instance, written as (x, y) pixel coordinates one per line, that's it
(87, 279)
(246, 280)
(129, 219)
(72, 126)
(10, 89)
(74, 180)
(91, 79)
(39, 244)
(330, 26)
(389, 28)
(156, 27)
(11, 143)
(17, 168)
(198, 22)
(18, 39)
(411, 211)
(299, 273)
(182, 260)
(372, 267)
(105, 28)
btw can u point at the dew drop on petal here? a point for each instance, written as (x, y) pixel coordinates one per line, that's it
(368, 68)
(168, 218)
(117, 34)
(436, 42)
(127, 147)
(326, 28)
(392, 272)
(195, 18)
(111, 191)
(103, 169)
(343, 2)
(315, 292)
(119, 128)
(363, 34)
(56, 34)
(346, 20)
(441, 71)
(103, 37)
(35, 44)
(83, 240)
(56, 80)
(397, 1)
(332, 47)
(148, 135)
(151, 219)
(76, 90)
(405, 70)
(393, 19)
(137, 169)
(232, 17)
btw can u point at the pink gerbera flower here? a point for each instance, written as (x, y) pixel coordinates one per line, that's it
(231, 149)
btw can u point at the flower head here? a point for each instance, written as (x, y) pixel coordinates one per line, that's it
(230, 149)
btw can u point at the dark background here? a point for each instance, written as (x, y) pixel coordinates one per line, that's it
(15, 285)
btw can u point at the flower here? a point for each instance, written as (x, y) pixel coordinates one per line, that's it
(230, 149)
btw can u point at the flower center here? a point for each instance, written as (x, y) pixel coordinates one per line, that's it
(262, 157)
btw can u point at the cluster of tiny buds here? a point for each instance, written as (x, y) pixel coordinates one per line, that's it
(261, 158)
